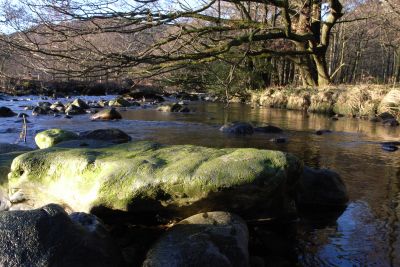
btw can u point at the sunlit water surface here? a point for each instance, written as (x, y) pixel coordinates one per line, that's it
(366, 234)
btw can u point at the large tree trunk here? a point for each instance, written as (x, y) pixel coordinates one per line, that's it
(314, 69)
(322, 69)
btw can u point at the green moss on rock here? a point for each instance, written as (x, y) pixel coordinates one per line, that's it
(49, 138)
(148, 177)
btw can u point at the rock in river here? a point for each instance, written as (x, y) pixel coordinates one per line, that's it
(7, 154)
(49, 138)
(237, 128)
(119, 102)
(268, 129)
(175, 107)
(148, 178)
(213, 239)
(107, 114)
(80, 104)
(109, 135)
(6, 112)
(323, 189)
(48, 237)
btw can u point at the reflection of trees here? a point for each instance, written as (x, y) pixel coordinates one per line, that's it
(393, 213)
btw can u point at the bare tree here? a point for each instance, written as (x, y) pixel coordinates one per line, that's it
(94, 37)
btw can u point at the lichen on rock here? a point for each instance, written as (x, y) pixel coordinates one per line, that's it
(146, 177)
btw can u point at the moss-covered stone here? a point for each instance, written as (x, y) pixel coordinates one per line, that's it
(146, 177)
(49, 138)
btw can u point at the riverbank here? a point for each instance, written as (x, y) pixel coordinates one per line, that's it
(363, 101)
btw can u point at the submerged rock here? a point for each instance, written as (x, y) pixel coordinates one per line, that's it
(49, 138)
(146, 178)
(6, 112)
(39, 111)
(391, 122)
(86, 143)
(112, 135)
(107, 114)
(322, 131)
(208, 239)
(48, 237)
(268, 129)
(242, 128)
(390, 147)
(7, 148)
(321, 189)
(173, 108)
(279, 140)
(147, 96)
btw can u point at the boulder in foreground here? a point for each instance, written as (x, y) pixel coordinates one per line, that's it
(147, 178)
(48, 237)
(213, 239)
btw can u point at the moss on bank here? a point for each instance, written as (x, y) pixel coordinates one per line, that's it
(360, 101)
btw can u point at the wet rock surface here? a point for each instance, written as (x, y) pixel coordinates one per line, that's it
(111, 135)
(6, 112)
(268, 129)
(51, 137)
(321, 189)
(106, 114)
(48, 237)
(208, 239)
(146, 178)
(238, 128)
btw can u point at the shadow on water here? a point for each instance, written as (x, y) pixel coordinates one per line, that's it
(365, 234)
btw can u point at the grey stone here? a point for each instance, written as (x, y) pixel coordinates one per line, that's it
(48, 237)
(213, 239)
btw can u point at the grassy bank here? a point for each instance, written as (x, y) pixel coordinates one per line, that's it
(364, 101)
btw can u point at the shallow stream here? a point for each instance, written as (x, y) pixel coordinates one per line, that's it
(367, 233)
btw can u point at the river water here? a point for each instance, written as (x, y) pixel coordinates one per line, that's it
(367, 233)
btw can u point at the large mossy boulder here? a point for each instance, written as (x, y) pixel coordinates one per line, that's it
(119, 102)
(49, 237)
(147, 178)
(49, 138)
(213, 239)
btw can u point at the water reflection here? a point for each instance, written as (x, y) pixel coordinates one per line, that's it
(366, 234)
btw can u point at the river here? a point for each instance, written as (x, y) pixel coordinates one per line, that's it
(365, 234)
